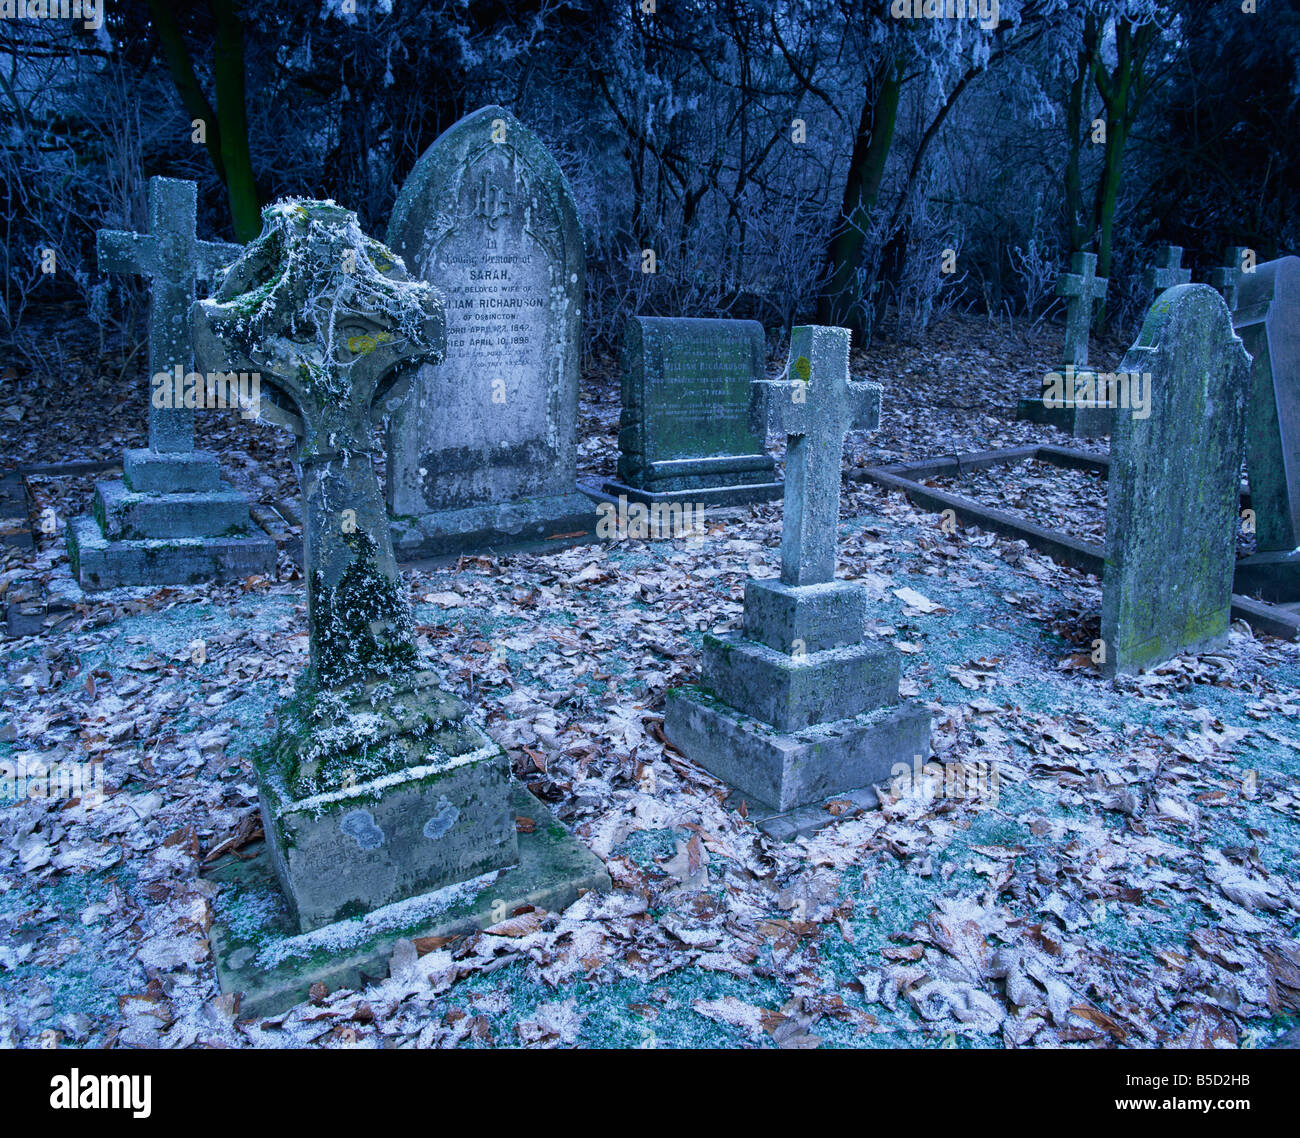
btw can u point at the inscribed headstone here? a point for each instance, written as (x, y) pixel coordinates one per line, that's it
(686, 431)
(484, 452)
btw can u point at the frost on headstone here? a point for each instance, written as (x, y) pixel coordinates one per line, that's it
(331, 321)
(1172, 493)
(327, 315)
(484, 453)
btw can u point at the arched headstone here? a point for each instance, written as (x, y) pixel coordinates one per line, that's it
(485, 451)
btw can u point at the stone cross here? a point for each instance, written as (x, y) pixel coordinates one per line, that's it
(1168, 270)
(1227, 277)
(1081, 286)
(815, 406)
(334, 325)
(171, 256)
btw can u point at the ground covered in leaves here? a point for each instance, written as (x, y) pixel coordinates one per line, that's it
(1085, 863)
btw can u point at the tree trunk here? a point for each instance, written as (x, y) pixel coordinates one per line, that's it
(1076, 226)
(181, 67)
(841, 302)
(241, 187)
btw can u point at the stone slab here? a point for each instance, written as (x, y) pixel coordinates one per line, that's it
(156, 472)
(126, 515)
(555, 519)
(411, 832)
(1268, 321)
(1270, 576)
(718, 496)
(807, 618)
(487, 216)
(251, 916)
(1172, 493)
(786, 825)
(100, 564)
(799, 768)
(793, 692)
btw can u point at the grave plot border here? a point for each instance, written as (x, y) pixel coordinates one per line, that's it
(1059, 546)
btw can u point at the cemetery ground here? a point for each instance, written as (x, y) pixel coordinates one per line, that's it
(1128, 879)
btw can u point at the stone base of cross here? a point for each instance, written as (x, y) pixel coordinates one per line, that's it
(799, 707)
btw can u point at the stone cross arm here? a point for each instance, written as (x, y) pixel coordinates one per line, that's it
(170, 250)
(789, 411)
(123, 252)
(1167, 271)
(1082, 279)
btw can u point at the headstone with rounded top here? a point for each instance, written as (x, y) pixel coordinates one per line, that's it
(484, 454)
(1172, 491)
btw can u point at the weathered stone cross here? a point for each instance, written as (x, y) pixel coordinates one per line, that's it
(815, 406)
(1226, 278)
(1081, 286)
(329, 318)
(1167, 271)
(173, 259)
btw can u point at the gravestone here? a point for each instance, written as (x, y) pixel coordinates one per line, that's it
(484, 454)
(686, 433)
(1070, 400)
(1171, 500)
(1225, 278)
(798, 707)
(172, 519)
(1168, 270)
(375, 789)
(1268, 321)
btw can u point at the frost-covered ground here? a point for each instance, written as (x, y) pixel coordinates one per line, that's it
(1129, 878)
